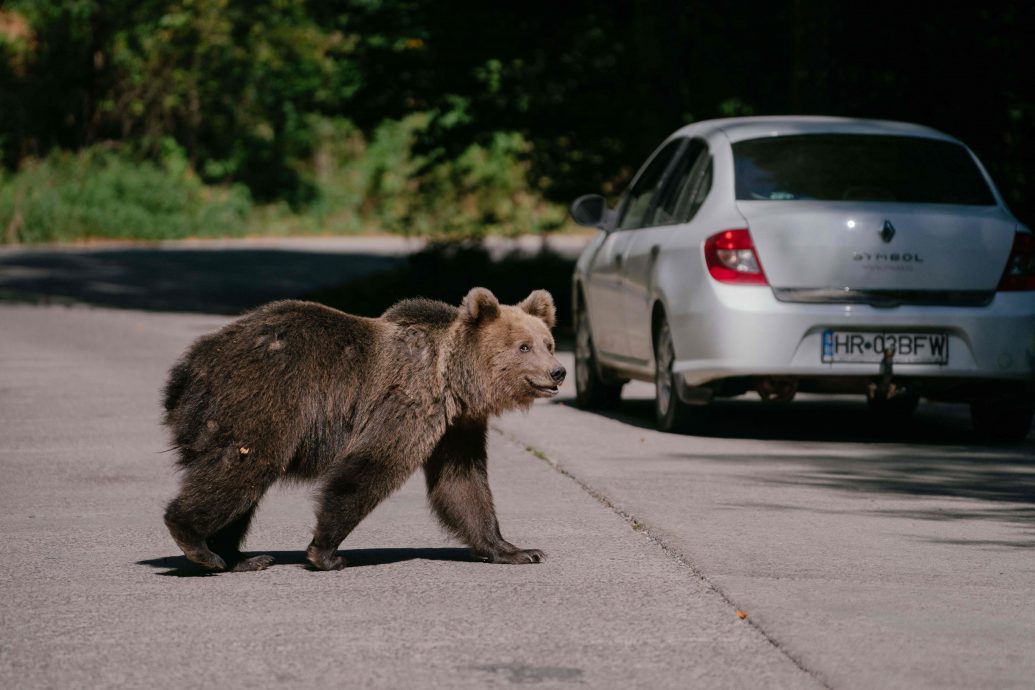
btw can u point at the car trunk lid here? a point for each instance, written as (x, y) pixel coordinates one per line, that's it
(880, 252)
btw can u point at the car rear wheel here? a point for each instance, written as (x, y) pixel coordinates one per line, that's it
(671, 413)
(591, 391)
(1002, 420)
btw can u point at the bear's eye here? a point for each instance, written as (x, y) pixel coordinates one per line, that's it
(525, 347)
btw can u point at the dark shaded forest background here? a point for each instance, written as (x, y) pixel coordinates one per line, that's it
(157, 118)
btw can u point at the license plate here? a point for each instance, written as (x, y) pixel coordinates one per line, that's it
(869, 347)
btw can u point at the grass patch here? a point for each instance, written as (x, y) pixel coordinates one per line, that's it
(354, 184)
(102, 192)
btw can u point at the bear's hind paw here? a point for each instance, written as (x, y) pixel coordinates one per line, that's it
(252, 564)
(519, 556)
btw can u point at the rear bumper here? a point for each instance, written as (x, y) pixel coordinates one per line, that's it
(742, 331)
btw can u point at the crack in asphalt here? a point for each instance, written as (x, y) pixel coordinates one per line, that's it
(640, 527)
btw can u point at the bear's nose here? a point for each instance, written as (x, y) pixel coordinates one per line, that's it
(558, 374)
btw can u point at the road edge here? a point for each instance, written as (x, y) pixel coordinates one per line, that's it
(641, 527)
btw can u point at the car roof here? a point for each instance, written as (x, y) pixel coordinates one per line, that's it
(741, 128)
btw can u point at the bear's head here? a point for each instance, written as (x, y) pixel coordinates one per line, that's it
(513, 356)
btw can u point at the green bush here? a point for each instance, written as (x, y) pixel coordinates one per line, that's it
(384, 185)
(103, 192)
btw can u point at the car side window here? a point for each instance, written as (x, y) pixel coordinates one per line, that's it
(638, 200)
(696, 191)
(672, 203)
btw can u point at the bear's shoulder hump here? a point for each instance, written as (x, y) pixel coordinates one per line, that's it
(421, 311)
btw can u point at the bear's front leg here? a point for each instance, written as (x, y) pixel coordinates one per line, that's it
(354, 487)
(458, 489)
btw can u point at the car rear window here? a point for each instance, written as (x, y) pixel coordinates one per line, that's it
(858, 167)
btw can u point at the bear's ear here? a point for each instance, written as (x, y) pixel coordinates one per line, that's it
(540, 303)
(480, 305)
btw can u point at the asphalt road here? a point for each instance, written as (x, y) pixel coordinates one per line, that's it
(95, 595)
(863, 557)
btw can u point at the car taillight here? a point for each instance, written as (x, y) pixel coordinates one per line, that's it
(731, 258)
(1020, 267)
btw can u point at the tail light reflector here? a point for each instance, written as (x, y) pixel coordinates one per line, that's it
(1020, 267)
(731, 258)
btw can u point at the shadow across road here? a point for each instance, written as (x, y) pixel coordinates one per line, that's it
(181, 566)
(232, 278)
(204, 280)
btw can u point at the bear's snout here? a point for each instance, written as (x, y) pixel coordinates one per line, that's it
(558, 374)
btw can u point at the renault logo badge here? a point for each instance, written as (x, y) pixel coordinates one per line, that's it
(887, 232)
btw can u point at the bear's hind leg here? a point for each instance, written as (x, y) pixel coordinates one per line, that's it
(208, 520)
(189, 535)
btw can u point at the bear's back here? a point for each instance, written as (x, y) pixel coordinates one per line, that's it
(421, 312)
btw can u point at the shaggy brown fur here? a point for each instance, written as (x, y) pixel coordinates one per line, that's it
(299, 390)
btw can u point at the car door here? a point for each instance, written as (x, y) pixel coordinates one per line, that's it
(603, 297)
(604, 278)
(679, 198)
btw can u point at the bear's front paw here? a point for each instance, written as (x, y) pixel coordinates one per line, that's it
(519, 556)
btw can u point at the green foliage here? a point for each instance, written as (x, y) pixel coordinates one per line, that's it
(483, 190)
(383, 185)
(466, 118)
(102, 192)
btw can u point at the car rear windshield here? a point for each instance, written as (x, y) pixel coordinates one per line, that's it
(858, 167)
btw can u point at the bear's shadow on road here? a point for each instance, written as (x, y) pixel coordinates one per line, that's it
(180, 566)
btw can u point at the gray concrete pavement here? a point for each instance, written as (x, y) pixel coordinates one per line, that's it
(865, 557)
(94, 594)
(878, 559)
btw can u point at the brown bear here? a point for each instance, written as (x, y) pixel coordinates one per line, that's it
(299, 390)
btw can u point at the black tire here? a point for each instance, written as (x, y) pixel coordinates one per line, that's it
(897, 409)
(1002, 420)
(671, 413)
(591, 391)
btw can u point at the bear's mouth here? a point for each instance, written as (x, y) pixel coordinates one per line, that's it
(545, 390)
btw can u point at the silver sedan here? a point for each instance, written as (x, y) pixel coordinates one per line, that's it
(786, 254)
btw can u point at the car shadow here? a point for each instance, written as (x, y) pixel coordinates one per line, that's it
(984, 484)
(180, 566)
(934, 457)
(832, 419)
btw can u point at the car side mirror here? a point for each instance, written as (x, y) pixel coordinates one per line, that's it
(591, 211)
